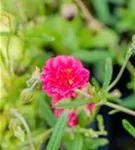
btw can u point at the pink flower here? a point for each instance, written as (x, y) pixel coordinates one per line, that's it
(62, 75)
(72, 117)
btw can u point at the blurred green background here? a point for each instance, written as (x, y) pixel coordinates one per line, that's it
(31, 31)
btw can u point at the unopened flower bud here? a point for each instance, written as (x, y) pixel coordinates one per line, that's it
(26, 94)
(69, 11)
(116, 93)
(91, 107)
(72, 119)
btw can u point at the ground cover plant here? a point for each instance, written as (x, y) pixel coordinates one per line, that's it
(61, 62)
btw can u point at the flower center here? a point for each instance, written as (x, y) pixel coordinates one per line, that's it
(70, 82)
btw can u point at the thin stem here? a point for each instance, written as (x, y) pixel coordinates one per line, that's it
(17, 115)
(85, 11)
(130, 68)
(121, 71)
(120, 108)
(92, 22)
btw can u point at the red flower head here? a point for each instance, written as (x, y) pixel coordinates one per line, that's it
(62, 75)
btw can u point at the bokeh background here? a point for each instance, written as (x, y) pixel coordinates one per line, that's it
(33, 30)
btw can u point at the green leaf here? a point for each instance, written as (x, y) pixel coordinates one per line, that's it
(83, 119)
(77, 142)
(101, 40)
(45, 111)
(108, 72)
(95, 83)
(94, 144)
(58, 132)
(100, 120)
(102, 10)
(91, 56)
(118, 2)
(127, 125)
(129, 102)
(131, 6)
(73, 104)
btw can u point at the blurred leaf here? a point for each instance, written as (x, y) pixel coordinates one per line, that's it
(100, 122)
(106, 38)
(38, 34)
(94, 144)
(77, 142)
(91, 56)
(99, 70)
(102, 10)
(24, 9)
(95, 83)
(129, 101)
(131, 6)
(108, 73)
(127, 125)
(131, 84)
(45, 111)
(73, 104)
(58, 132)
(126, 20)
(63, 43)
(120, 2)
(83, 119)
(85, 38)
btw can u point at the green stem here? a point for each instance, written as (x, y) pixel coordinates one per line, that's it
(130, 68)
(120, 108)
(129, 53)
(17, 115)
(91, 21)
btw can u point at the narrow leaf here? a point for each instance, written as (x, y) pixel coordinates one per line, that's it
(127, 125)
(129, 102)
(91, 56)
(77, 143)
(100, 122)
(95, 143)
(108, 73)
(102, 10)
(95, 83)
(45, 111)
(58, 133)
(74, 104)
